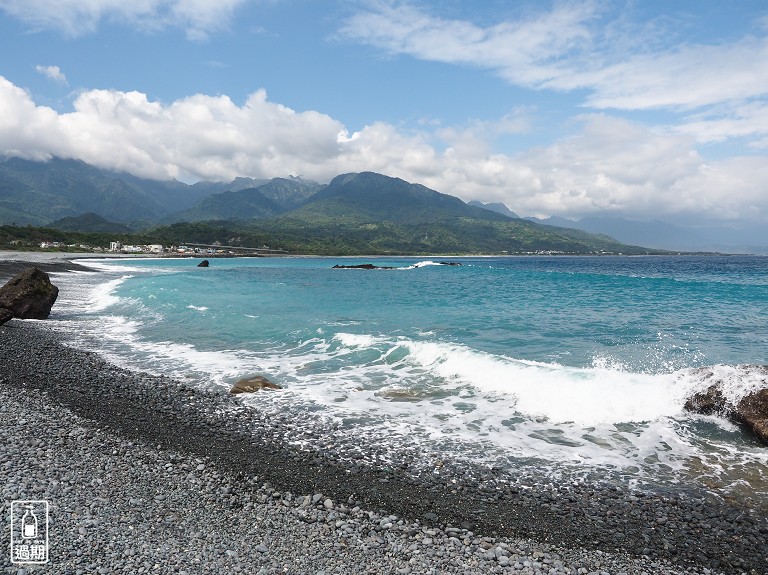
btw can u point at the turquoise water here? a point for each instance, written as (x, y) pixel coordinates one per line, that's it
(573, 363)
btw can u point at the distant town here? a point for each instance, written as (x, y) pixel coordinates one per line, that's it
(156, 249)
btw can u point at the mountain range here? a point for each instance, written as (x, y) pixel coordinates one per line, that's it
(365, 211)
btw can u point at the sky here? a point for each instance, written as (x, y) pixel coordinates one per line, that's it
(643, 109)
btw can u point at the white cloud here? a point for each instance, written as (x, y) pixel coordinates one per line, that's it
(747, 120)
(526, 52)
(576, 45)
(52, 72)
(77, 17)
(686, 77)
(607, 165)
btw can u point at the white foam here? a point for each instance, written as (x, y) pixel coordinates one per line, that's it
(424, 264)
(355, 340)
(197, 307)
(109, 265)
(734, 381)
(586, 396)
(103, 297)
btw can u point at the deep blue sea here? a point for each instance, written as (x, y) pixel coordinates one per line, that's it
(577, 364)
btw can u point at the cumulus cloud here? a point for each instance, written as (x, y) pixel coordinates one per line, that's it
(76, 17)
(574, 46)
(52, 72)
(607, 165)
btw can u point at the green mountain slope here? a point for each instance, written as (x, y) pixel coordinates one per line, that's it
(241, 205)
(89, 222)
(452, 236)
(497, 207)
(290, 193)
(368, 197)
(37, 192)
(265, 201)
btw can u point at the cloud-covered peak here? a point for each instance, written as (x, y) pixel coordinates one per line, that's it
(606, 165)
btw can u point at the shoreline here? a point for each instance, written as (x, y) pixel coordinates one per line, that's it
(595, 525)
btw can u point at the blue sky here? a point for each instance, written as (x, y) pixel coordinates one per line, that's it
(632, 108)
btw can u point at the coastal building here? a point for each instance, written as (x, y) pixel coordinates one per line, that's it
(142, 249)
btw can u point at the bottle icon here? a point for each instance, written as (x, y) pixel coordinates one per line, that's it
(29, 524)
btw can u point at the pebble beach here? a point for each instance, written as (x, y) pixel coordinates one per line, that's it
(145, 474)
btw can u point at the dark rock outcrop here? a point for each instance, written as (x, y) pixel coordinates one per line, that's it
(362, 267)
(751, 411)
(5, 315)
(29, 294)
(252, 384)
(204, 264)
(374, 267)
(710, 402)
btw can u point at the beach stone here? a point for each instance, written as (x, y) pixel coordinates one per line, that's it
(29, 294)
(253, 384)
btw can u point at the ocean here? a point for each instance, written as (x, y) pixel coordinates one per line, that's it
(569, 368)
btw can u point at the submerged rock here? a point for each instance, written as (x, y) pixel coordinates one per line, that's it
(374, 267)
(252, 384)
(29, 294)
(362, 267)
(751, 410)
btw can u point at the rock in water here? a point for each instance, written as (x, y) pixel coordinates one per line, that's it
(752, 410)
(710, 402)
(362, 267)
(29, 294)
(251, 384)
(5, 315)
(204, 264)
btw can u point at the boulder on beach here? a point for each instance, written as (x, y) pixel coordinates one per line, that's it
(5, 315)
(204, 264)
(29, 294)
(253, 384)
(751, 410)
